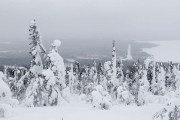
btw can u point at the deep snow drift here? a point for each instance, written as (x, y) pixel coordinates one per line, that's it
(77, 110)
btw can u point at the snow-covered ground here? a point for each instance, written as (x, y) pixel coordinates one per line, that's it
(77, 110)
(166, 51)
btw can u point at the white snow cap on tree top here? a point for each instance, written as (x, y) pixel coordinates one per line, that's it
(33, 22)
(56, 43)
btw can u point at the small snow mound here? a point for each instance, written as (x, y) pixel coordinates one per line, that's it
(5, 110)
(56, 43)
(14, 102)
(99, 88)
(100, 98)
(173, 102)
(82, 97)
(66, 94)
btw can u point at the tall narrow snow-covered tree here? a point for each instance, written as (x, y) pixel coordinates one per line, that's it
(94, 73)
(114, 69)
(143, 93)
(150, 75)
(136, 87)
(50, 89)
(71, 79)
(5, 97)
(128, 79)
(36, 50)
(158, 85)
(135, 84)
(120, 74)
(170, 77)
(111, 73)
(101, 76)
(76, 67)
(107, 70)
(26, 85)
(100, 69)
(56, 63)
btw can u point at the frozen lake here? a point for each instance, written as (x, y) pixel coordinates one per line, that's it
(165, 51)
(12, 53)
(18, 52)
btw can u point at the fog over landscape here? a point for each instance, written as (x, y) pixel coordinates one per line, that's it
(90, 25)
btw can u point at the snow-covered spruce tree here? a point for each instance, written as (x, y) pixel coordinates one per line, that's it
(91, 78)
(111, 74)
(170, 78)
(93, 73)
(50, 89)
(114, 69)
(135, 84)
(100, 98)
(30, 82)
(150, 75)
(177, 78)
(128, 79)
(136, 87)
(158, 85)
(87, 80)
(37, 49)
(56, 65)
(84, 80)
(120, 74)
(100, 69)
(71, 79)
(108, 76)
(143, 94)
(149, 66)
(99, 72)
(101, 77)
(76, 77)
(123, 95)
(76, 67)
(6, 101)
(107, 70)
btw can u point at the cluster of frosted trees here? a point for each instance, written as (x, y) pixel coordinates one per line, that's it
(142, 83)
(48, 81)
(44, 82)
(107, 84)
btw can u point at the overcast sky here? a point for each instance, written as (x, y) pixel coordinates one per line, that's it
(94, 20)
(82, 25)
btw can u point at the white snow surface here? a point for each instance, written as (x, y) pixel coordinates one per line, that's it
(77, 110)
(165, 51)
